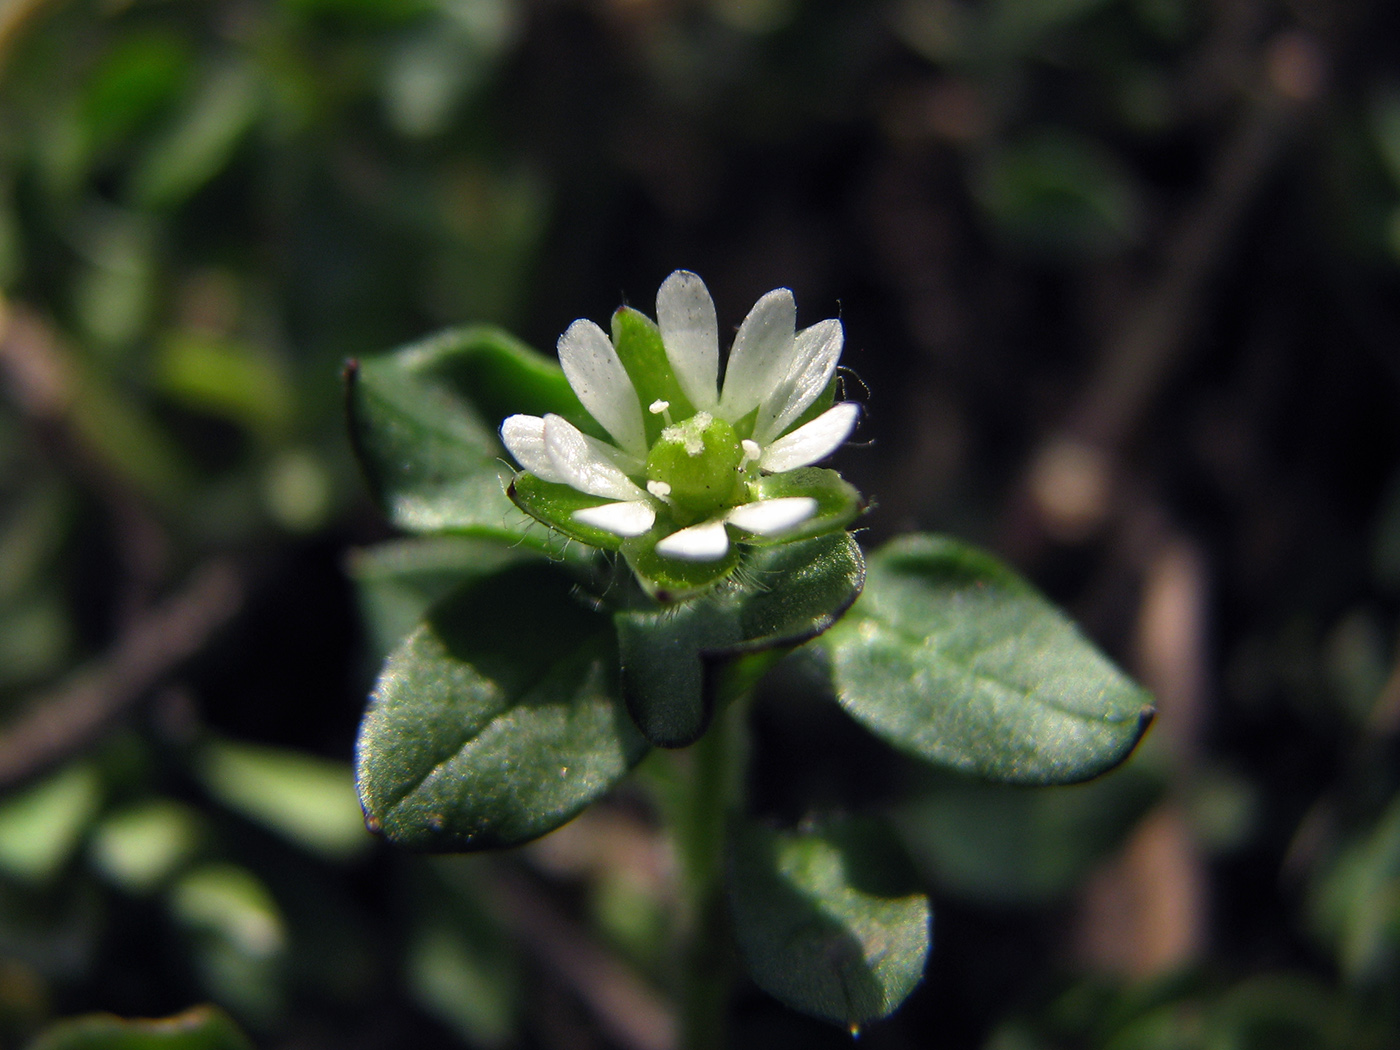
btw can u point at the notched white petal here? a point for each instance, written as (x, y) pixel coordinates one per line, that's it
(685, 313)
(771, 517)
(595, 372)
(523, 437)
(583, 468)
(761, 355)
(707, 542)
(815, 353)
(631, 518)
(812, 441)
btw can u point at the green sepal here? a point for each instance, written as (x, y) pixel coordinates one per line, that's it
(638, 343)
(829, 919)
(424, 422)
(200, 1028)
(838, 502)
(669, 579)
(497, 720)
(951, 656)
(682, 661)
(554, 505)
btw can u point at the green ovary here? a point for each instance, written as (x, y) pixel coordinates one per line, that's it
(700, 459)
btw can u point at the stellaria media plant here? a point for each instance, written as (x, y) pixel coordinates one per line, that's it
(667, 538)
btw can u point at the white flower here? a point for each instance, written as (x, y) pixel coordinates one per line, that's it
(700, 466)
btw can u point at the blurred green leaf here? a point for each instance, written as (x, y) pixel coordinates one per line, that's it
(464, 985)
(32, 534)
(674, 658)
(115, 293)
(829, 919)
(201, 140)
(140, 847)
(952, 657)
(1385, 128)
(496, 720)
(41, 826)
(141, 75)
(200, 1028)
(307, 799)
(241, 383)
(1055, 193)
(1355, 903)
(1015, 25)
(1001, 844)
(118, 428)
(238, 934)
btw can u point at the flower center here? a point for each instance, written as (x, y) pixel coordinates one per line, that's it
(701, 460)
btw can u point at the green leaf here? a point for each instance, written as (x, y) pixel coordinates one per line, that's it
(238, 937)
(680, 661)
(424, 423)
(497, 719)
(1355, 903)
(307, 799)
(399, 580)
(829, 920)
(201, 142)
(41, 827)
(954, 658)
(201, 1028)
(140, 847)
(1006, 845)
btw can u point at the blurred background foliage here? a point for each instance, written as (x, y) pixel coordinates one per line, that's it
(1120, 277)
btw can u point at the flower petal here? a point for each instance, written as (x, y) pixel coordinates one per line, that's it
(707, 542)
(685, 313)
(813, 441)
(761, 355)
(578, 465)
(769, 517)
(595, 372)
(523, 437)
(815, 353)
(631, 518)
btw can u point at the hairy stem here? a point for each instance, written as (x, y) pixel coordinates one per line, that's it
(705, 789)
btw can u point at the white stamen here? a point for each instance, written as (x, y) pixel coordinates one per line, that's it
(812, 441)
(707, 542)
(751, 452)
(662, 409)
(659, 489)
(769, 517)
(621, 519)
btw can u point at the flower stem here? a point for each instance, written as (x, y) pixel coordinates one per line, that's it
(706, 789)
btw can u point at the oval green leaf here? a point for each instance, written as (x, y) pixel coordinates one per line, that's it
(201, 1028)
(680, 661)
(424, 423)
(951, 656)
(829, 920)
(497, 719)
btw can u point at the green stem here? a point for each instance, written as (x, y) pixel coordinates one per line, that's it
(710, 783)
